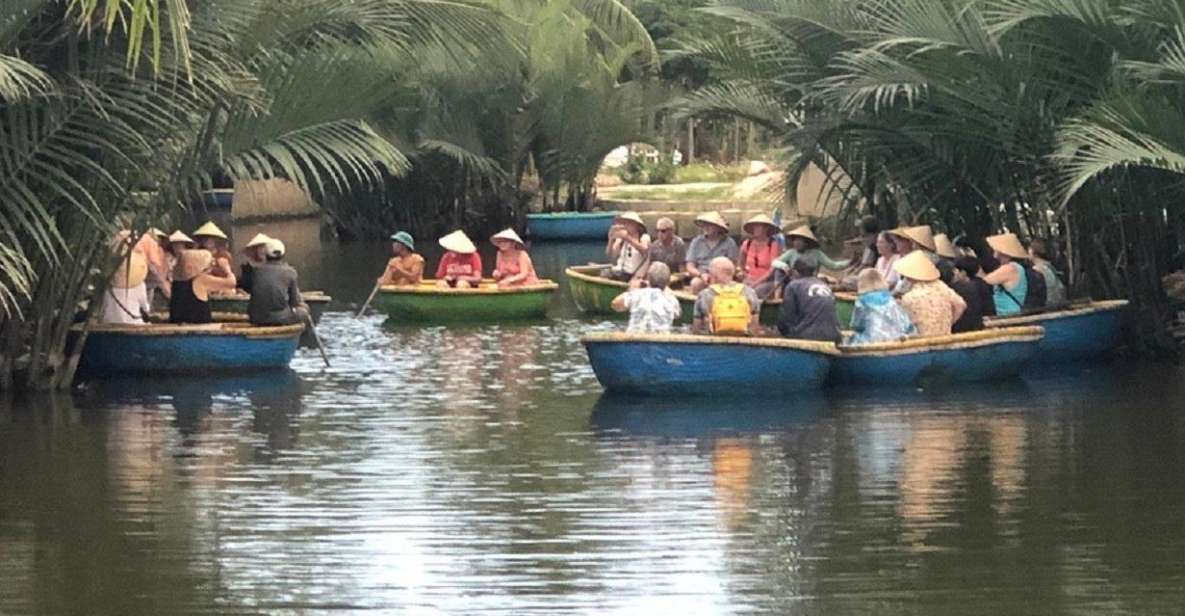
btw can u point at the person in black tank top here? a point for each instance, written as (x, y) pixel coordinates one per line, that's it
(185, 307)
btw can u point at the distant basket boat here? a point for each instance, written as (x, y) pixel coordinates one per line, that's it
(1076, 333)
(985, 355)
(427, 303)
(167, 348)
(570, 225)
(236, 302)
(679, 364)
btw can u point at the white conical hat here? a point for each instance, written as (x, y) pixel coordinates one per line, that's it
(712, 218)
(632, 217)
(508, 234)
(922, 236)
(457, 241)
(210, 230)
(260, 239)
(944, 247)
(180, 237)
(917, 266)
(1008, 244)
(132, 271)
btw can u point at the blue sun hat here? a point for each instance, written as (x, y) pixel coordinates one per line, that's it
(403, 237)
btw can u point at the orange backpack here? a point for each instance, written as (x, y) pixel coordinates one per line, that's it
(730, 310)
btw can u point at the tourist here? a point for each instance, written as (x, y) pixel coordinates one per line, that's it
(902, 242)
(406, 268)
(192, 284)
(154, 246)
(211, 238)
(758, 254)
(725, 307)
(256, 253)
(946, 254)
(877, 317)
(803, 243)
(1039, 254)
(932, 306)
(460, 267)
(653, 309)
(808, 306)
(712, 242)
(668, 247)
(628, 246)
(886, 248)
(275, 292)
(513, 266)
(975, 292)
(126, 300)
(1011, 284)
(910, 239)
(869, 237)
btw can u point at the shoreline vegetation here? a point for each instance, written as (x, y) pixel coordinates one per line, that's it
(1048, 119)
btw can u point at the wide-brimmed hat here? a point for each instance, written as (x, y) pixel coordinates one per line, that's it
(917, 266)
(405, 238)
(760, 219)
(191, 263)
(712, 218)
(132, 271)
(457, 241)
(631, 217)
(508, 235)
(180, 238)
(1008, 244)
(260, 239)
(210, 230)
(275, 248)
(804, 232)
(944, 248)
(922, 236)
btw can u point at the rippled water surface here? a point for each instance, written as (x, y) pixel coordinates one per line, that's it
(479, 470)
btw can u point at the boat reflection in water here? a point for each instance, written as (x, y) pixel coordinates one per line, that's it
(703, 416)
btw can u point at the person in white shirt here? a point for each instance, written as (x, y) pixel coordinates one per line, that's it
(653, 309)
(126, 300)
(628, 245)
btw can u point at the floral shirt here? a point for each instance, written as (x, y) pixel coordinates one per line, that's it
(652, 311)
(877, 317)
(930, 306)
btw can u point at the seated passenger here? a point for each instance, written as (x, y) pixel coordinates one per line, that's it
(460, 267)
(406, 268)
(808, 306)
(726, 307)
(1055, 291)
(211, 238)
(126, 300)
(192, 284)
(803, 243)
(758, 254)
(1010, 282)
(932, 306)
(628, 246)
(256, 253)
(653, 309)
(275, 293)
(512, 265)
(877, 317)
(712, 242)
(975, 292)
(944, 257)
(668, 247)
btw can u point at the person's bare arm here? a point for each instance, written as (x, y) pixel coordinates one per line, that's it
(1001, 276)
(619, 303)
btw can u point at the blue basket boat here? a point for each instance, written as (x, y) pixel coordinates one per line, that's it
(1076, 333)
(570, 225)
(167, 348)
(985, 355)
(681, 364)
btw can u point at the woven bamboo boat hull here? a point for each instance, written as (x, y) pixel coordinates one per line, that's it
(427, 304)
(986, 355)
(237, 303)
(676, 364)
(165, 349)
(845, 303)
(1074, 334)
(592, 293)
(570, 225)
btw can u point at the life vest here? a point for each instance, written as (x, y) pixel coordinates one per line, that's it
(730, 310)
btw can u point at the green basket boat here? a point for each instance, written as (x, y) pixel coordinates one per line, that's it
(425, 303)
(236, 302)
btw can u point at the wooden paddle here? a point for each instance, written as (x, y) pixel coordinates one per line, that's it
(366, 305)
(308, 320)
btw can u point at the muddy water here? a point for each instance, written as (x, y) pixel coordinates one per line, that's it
(480, 471)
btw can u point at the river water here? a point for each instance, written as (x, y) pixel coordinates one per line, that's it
(478, 470)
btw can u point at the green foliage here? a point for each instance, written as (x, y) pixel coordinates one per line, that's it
(708, 172)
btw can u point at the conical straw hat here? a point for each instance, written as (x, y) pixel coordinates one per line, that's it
(1008, 244)
(179, 237)
(457, 241)
(157, 233)
(193, 262)
(922, 236)
(632, 217)
(132, 271)
(508, 234)
(760, 219)
(899, 232)
(944, 247)
(804, 232)
(712, 218)
(210, 230)
(917, 266)
(260, 239)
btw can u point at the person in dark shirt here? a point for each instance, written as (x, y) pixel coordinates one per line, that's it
(974, 291)
(256, 252)
(275, 294)
(808, 306)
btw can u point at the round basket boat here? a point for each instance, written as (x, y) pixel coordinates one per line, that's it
(237, 300)
(985, 355)
(425, 303)
(680, 364)
(570, 225)
(166, 348)
(1075, 333)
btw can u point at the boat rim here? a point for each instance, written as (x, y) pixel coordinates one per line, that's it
(965, 340)
(309, 297)
(229, 329)
(814, 346)
(543, 286)
(1091, 308)
(574, 271)
(562, 215)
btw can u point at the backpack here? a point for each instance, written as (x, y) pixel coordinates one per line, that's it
(730, 310)
(1037, 293)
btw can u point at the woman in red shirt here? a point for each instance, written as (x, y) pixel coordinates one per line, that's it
(513, 267)
(758, 254)
(460, 267)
